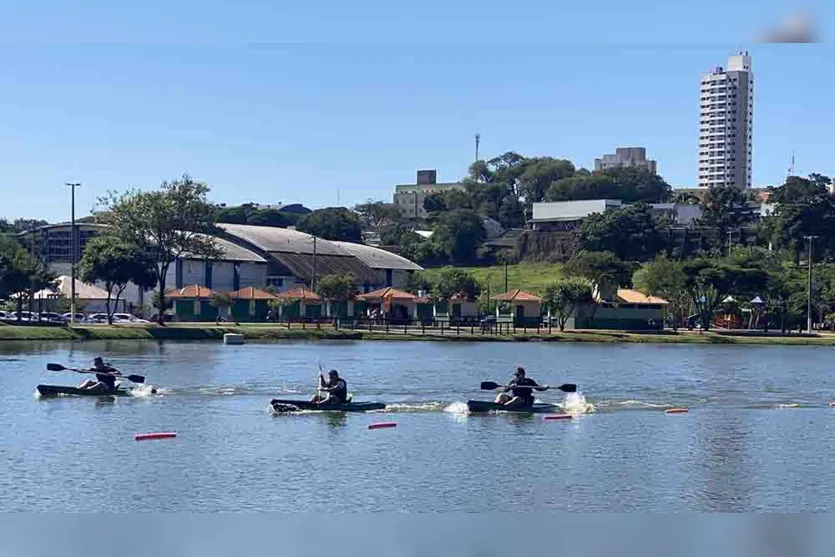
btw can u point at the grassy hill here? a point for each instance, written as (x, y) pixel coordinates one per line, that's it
(525, 276)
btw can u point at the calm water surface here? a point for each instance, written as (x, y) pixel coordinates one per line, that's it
(758, 436)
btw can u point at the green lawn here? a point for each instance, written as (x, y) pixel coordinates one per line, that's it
(524, 276)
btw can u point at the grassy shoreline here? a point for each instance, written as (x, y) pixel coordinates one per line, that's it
(273, 332)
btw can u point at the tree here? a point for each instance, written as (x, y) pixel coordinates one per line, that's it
(333, 223)
(456, 282)
(802, 207)
(666, 279)
(538, 175)
(602, 268)
(724, 208)
(167, 223)
(116, 263)
(336, 287)
(457, 235)
(418, 282)
(20, 272)
(631, 232)
(562, 297)
(250, 213)
(374, 214)
(220, 302)
(710, 281)
(448, 200)
(629, 184)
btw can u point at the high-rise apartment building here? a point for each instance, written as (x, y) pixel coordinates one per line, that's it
(726, 124)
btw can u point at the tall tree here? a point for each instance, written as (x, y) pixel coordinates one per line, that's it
(333, 223)
(564, 295)
(168, 223)
(116, 263)
(452, 282)
(802, 207)
(665, 278)
(375, 214)
(724, 208)
(631, 232)
(336, 287)
(538, 175)
(603, 269)
(629, 184)
(20, 272)
(457, 235)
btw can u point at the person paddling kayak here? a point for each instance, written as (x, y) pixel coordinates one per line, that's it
(105, 381)
(521, 389)
(332, 391)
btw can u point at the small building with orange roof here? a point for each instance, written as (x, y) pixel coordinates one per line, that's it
(391, 304)
(518, 307)
(251, 304)
(192, 303)
(299, 303)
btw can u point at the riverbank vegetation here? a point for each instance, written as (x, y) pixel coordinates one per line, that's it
(206, 331)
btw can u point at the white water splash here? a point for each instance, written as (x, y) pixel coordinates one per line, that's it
(416, 407)
(457, 408)
(576, 403)
(145, 390)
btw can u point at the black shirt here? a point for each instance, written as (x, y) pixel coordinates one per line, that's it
(341, 391)
(525, 394)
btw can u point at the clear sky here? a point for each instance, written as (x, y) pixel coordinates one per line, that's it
(303, 102)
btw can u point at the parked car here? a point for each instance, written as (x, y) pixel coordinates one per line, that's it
(79, 317)
(5, 316)
(128, 318)
(25, 316)
(51, 317)
(98, 318)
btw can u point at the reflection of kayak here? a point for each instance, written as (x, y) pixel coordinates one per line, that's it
(480, 406)
(285, 405)
(58, 390)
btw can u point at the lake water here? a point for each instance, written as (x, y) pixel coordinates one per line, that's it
(758, 436)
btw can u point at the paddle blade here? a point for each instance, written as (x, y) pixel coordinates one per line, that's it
(55, 367)
(568, 388)
(136, 378)
(489, 385)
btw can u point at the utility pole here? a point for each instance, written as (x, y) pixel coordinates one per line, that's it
(505, 277)
(74, 249)
(313, 275)
(730, 241)
(809, 288)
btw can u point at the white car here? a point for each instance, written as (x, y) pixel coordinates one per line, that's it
(5, 316)
(79, 317)
(128, 318)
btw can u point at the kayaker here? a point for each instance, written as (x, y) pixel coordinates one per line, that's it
(106, 381)
(521, 389)
(332, 391)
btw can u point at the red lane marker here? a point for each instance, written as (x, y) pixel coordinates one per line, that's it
(160, 435)
(553, 417)
(380, 425)
(676, 411)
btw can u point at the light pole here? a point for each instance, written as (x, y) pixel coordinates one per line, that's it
(74, 251)
(809, 288)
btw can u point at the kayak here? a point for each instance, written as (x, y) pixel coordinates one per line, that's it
(481, 406)
(58, 390)
(285, 405)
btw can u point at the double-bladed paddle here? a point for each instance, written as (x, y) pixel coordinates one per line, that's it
(59, 367)
(491, 385)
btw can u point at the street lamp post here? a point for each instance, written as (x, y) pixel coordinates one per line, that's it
(74, 251)
(809, 288)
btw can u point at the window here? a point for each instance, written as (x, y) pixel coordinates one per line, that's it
(275, 282)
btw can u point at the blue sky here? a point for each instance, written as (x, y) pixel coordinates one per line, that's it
(271, 103)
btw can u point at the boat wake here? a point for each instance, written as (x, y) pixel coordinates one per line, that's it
(427, 406)
(608, 405)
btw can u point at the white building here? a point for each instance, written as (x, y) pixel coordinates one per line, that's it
(626, 157)
(409, 197)
(567, 215)
(726, 124)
